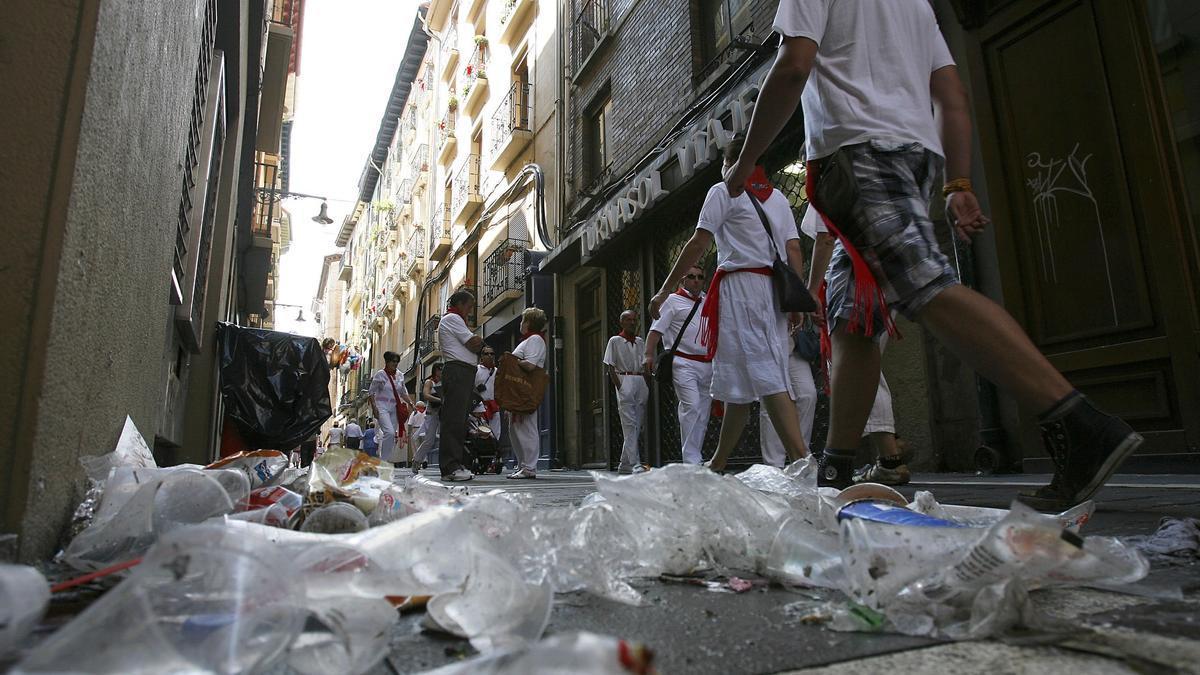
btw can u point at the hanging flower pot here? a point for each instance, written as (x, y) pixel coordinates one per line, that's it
(481, 40)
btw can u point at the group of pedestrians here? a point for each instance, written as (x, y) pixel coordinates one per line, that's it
(886, 117)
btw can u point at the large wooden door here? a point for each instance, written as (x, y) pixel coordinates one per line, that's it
(593, 450)
(1095, 247)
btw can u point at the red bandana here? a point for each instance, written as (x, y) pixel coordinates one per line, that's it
(526, 336)
(627, 336)
(454, 310)
(759, 185)
(684, 292)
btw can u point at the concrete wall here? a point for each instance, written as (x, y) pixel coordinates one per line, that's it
(109, 316)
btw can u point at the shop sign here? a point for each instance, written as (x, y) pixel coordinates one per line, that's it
(694, 149)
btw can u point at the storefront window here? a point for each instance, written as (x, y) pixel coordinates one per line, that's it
(1175, 29)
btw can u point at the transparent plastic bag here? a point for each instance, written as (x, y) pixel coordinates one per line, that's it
(804, 555)
(205, 599)
(262, 467)
(140, 505)
(24, 595)
(343, 635)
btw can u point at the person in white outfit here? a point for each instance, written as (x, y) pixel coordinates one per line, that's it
(691, 370)
(523, 428)
(742, 325)
(333, 439)
(485, 389)
(626, 370)
(385, 392)
(431, 394)
(801, 378)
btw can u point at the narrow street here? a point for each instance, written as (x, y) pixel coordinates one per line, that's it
(1155, 628)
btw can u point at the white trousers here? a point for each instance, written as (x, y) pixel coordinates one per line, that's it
(494, 425)
(385, 433)
(800, 376)
(526, 441)
(433, 424)
(631, 404)
(692, 380)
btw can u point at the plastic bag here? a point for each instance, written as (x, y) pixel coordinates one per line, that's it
(131, 451)
(205, 598)
(275, 385)
(24, 595)
(262, 467)
(141, 504)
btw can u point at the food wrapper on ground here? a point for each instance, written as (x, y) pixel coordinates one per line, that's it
(579, 653)
(282, 505)
(262, 467)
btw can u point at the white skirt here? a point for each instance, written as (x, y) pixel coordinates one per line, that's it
(752, 343)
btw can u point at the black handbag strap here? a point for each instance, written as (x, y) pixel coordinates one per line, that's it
(762, 215)
(682, 328)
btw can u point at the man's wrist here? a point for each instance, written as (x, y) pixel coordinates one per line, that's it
(957, 185)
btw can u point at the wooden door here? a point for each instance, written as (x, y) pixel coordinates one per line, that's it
(593, 450)
(1094, 246)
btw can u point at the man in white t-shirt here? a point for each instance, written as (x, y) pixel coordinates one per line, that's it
(354, 434)
(691, 369)
(624, 365)
(334, 438)
(884, 110)
(460, 348)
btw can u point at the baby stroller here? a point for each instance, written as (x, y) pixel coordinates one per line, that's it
(483, 449)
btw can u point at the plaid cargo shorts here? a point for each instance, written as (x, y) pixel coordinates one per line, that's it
(890, 227)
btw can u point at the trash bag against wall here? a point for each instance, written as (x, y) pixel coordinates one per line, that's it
(275, 385)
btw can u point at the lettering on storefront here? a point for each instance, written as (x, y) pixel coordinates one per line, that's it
(693, 150)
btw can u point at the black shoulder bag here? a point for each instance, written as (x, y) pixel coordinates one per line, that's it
(665, 364)
(793, 295)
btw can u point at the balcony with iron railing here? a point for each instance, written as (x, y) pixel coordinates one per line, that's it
(589, 32)
(464, 195)
(430, 345)
(515, 18)
(346, 273)
(449, 50)
(511, 128)
(474, 77)
(266, 179)
(415, 262)
(439, 233)
(419, 166)
(448, 134)
(504, 274)
(404, 200)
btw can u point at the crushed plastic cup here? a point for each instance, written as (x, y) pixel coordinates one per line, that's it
(205, 598)
(343, 635)
(805, 556)
(579, 653)
(262, 467)
(336, 518)
(24, 595)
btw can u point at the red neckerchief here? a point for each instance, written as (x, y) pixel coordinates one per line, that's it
(632, 338)
(454, 310)
(525, 336)
(684, 292)
(758, 184)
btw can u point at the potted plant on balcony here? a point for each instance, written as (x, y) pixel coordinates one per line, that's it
(480, 40)
(466, 91)
(452, 104)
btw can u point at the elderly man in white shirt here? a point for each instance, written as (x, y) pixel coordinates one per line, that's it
(625, 368)
(460, 350)
(691, 370)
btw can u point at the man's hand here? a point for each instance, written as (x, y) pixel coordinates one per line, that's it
(648, 365)
(736, 177)
(656, 303)
(965, 214)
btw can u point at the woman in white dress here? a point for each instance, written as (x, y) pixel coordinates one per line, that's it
(742, 326)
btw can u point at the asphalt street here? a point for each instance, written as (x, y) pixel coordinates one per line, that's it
(705, 628)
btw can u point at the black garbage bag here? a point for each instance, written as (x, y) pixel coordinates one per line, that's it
(275, 385)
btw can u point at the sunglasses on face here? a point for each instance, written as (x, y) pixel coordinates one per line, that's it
(699, 277)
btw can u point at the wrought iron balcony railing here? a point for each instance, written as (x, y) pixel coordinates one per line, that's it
(504, 270)
(466, 185)
(591, 25)
(512, 114)
(429, 337)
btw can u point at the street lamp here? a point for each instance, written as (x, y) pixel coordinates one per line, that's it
(269, 195)
(299, 317)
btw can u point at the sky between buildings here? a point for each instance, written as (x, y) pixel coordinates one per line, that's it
(348, 60)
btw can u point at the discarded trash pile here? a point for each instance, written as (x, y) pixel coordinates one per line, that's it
(249, 563)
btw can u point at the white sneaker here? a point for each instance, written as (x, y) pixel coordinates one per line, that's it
(522, 474)
(641, 468)
(460, 476)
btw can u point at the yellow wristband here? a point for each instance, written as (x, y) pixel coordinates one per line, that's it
(957, 185)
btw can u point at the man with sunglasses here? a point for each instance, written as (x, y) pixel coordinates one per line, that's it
(691, 371)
